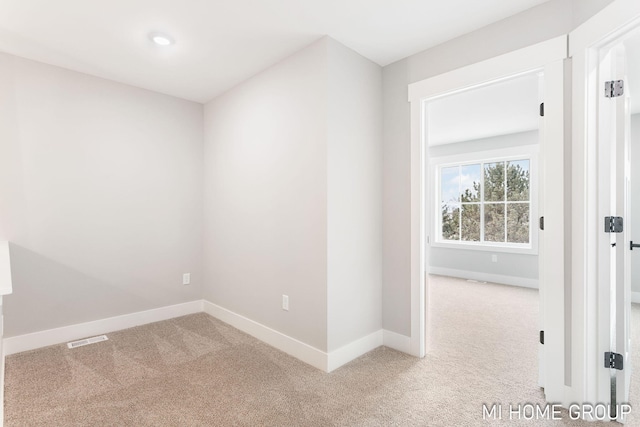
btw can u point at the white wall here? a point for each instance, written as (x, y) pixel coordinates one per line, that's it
(540, 23)
(635, 200)
(100, 195)
(292, 197)
(584, 9)
(266, 197)
(354, 205)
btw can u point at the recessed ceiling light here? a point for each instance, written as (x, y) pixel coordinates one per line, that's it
(161, 39)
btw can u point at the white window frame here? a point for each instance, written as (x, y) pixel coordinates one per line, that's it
(528, 152)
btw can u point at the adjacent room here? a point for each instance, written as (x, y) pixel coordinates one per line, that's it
(206, 215)
(482, 150)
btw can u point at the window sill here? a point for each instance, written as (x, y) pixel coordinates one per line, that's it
(487, 247)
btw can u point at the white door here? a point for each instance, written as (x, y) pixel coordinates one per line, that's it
(614, 241)
(553, 376)
(600, 264)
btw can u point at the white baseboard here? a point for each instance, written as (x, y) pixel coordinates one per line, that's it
(291, 346)
(301, 351)
(317, 358)
(351, 351)
(396, 341)
(486, 277)
(635, 297)
(40, 339)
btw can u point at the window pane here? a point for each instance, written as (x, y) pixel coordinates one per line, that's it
(518, 223)
(450, 222)
(518, 181)
(450, 184)
(494, 182)
(494, 222)
(471, 222)
(470, 179)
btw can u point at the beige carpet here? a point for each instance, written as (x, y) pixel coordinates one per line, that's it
(197, 371)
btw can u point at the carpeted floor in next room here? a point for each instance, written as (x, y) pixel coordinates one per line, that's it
(198, 371)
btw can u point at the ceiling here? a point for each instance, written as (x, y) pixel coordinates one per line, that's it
(220, 43)
(501, 108)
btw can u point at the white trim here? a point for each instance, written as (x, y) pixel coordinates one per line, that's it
(6, 286)
(485, 246)
(327, 362)
(553, 250)
(586, 364)
(48, 337)
(509, 65)
(419, 229)
(523, 282)
(304, 352)
(396, 341)
(635, 297)
(351, 351)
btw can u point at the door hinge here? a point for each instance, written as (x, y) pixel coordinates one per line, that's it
(613, 224)
(542, 337)
(542, 109)
(613, 361)
(613, 88)
(542, 223)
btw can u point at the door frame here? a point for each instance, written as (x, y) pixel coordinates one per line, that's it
(538, 56)
(585, 44)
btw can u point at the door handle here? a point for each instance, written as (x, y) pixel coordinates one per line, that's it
(631, 245)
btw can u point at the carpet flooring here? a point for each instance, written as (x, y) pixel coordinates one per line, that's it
(198, 371)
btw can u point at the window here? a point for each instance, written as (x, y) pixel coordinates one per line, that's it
(485, 203)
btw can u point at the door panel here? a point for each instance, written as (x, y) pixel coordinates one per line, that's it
(552, 238)
(613, 250)
(600, 270)
(623, 266)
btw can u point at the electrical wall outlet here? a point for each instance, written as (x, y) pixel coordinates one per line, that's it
(494, 258)
(285, 302)
(186, 279)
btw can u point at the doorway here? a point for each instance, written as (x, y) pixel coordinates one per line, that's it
(482, 199)
(481, 218)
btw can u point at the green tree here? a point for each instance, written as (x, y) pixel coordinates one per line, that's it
(450, 222)
(518, 222)
(469, 196)
(494, 182)
(463, 222)
(517, 182)
(470, 224)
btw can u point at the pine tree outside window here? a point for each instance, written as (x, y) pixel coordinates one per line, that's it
(486, 203)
